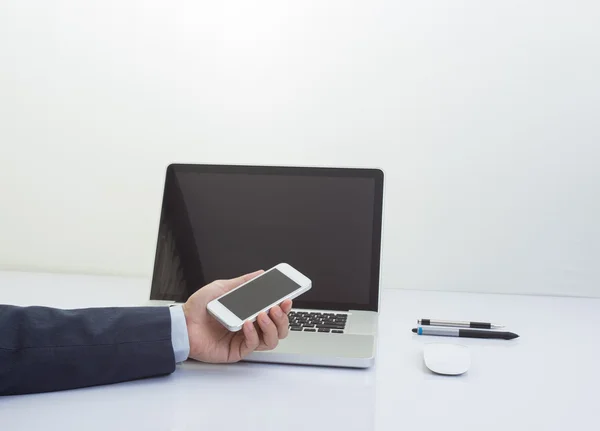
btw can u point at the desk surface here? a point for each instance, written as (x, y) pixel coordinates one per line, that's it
(546, 380)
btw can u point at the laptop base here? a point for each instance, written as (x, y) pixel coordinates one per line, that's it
(335, 350)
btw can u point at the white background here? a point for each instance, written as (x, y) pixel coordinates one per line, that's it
(484, 115)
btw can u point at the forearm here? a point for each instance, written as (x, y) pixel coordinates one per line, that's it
(44, 349)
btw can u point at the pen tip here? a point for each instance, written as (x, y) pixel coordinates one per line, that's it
(414, 330)
(512, 335)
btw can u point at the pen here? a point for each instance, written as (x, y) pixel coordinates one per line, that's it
(480, 325)
(465, 333)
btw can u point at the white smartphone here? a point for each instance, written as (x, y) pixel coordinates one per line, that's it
(261, 293)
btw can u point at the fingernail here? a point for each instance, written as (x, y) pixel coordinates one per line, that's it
(277, 312)
(265, 319)
(251, 327)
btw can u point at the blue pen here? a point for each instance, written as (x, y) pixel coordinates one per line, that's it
(465, 333)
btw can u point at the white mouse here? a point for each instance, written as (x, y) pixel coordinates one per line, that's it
(447, 359)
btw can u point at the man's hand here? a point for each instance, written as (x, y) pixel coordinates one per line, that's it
(212, 342)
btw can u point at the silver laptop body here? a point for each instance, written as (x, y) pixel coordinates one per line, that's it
(220, 221)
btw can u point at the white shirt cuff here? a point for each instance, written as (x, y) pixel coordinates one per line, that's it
(179, 334)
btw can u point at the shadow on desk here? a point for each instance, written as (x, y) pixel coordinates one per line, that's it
(242, 396)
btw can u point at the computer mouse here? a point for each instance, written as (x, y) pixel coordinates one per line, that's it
(447, 359)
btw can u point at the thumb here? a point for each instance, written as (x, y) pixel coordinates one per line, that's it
(231, 284)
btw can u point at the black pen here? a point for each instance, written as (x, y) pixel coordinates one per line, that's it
(465, 333)
(458, 324)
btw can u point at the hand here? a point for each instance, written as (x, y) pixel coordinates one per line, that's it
(212, 342)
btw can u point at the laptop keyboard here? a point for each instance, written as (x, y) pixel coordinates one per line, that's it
(308, 321)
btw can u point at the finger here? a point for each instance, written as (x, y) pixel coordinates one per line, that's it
(286, 306)
(269, 331)
(236, 282)
(251, 340)
(281, 321)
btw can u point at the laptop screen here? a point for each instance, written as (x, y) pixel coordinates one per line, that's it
(219, 222)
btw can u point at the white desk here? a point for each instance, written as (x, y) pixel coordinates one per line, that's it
(546, 380)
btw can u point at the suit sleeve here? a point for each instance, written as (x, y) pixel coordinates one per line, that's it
(45, 349)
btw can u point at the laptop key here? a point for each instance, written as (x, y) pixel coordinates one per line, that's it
(296, 328)
(337, 331)
(323, 329)
(310, 330)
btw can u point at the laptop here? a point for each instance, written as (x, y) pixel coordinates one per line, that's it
(221, 221)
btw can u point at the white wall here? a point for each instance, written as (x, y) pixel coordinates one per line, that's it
(485, 115)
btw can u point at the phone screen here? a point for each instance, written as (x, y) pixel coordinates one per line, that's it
(259, 293)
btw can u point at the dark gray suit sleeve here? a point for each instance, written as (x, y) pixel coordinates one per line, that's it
(45, 349)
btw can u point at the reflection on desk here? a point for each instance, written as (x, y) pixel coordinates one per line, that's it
(205, 396)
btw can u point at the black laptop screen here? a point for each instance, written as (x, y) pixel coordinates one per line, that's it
(220, 223)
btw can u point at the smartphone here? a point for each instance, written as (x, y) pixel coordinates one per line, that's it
(270, 288)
